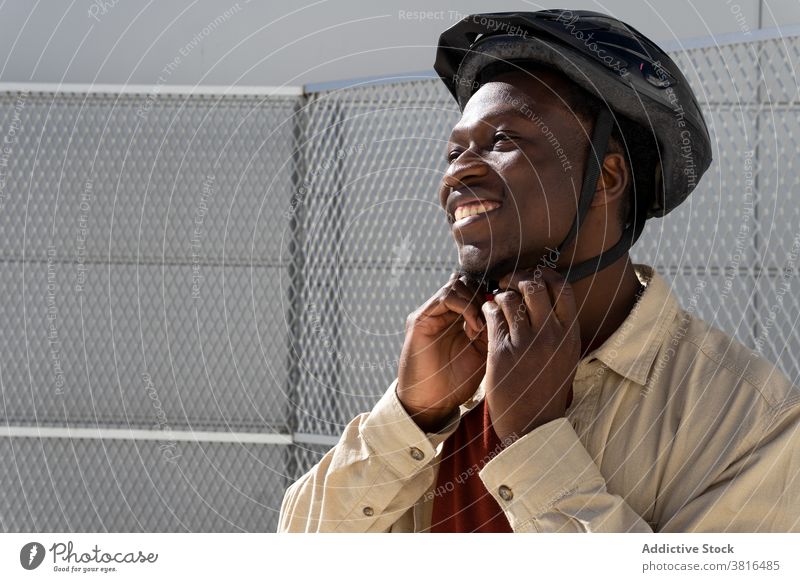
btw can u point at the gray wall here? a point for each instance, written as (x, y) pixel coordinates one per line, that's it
(289, 42)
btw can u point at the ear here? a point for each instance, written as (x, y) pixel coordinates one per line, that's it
(612, 181)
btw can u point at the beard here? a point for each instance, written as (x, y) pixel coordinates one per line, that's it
(486, 276)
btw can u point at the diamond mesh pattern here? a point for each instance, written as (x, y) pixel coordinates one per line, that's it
(319, 232)
(91, 485)
(144, 287)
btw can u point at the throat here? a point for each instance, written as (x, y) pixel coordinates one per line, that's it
(602, 315)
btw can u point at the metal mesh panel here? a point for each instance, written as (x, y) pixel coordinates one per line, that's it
(375, 244)
(144, 288)
(133, 343)
(91, 485)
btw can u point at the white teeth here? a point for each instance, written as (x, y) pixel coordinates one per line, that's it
(474, 208)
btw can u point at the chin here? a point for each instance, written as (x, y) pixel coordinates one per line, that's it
(478, 264)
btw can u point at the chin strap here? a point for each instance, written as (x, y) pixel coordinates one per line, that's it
(600, 136)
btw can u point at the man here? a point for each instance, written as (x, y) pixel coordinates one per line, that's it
(550, 385)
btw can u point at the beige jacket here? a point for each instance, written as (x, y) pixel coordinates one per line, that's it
(674, 427)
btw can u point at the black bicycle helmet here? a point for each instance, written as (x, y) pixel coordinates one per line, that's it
(610, 60)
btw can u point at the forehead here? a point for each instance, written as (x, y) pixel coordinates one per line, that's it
(515, 94)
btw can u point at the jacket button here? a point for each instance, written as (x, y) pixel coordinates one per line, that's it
(368, 511)
(416, 454)
(505, 493)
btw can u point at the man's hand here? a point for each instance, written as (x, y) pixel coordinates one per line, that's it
(534, 348)
(444, 354)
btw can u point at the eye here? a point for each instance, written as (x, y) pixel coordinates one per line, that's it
(453, 156)
(501, 136)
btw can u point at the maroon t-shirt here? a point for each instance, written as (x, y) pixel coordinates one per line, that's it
(461, 502)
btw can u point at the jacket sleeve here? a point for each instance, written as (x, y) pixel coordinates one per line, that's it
(380, 467)
(547, 482)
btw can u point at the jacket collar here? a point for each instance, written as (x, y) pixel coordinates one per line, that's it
(631, 350)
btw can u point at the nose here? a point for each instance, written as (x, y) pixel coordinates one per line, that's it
(468, 167)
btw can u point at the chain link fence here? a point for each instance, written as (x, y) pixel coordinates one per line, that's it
(202, 289)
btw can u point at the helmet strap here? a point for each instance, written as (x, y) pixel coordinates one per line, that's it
(594, 164)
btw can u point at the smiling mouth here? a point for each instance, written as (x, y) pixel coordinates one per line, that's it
(467, 211)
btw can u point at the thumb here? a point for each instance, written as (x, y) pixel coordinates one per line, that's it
(496, 324)
(481, 341)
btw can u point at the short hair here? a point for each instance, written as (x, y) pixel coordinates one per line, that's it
(635, 142)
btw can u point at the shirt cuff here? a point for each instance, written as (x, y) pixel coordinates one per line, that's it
(395, 438)
(529, 476)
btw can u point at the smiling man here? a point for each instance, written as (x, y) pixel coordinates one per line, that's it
(550, 384)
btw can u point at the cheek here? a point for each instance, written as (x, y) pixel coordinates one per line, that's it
(544, 208)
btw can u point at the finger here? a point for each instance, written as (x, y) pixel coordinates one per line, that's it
(474, 334)
(537, 301)
(481, 341)
(476, 288)
(564, 306)
(482, 288)
(437, 316)
(472, 314)
(496, 325)
(532, 287)
(434, 305)
(474, 298)
(452, 301)
(511, 280)
(515, 313)
(555, 284)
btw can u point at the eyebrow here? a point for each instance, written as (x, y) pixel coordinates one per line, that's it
(507, 109)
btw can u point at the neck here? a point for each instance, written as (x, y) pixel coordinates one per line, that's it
(604, 300)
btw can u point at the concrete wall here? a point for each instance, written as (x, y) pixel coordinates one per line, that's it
(224, 42)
